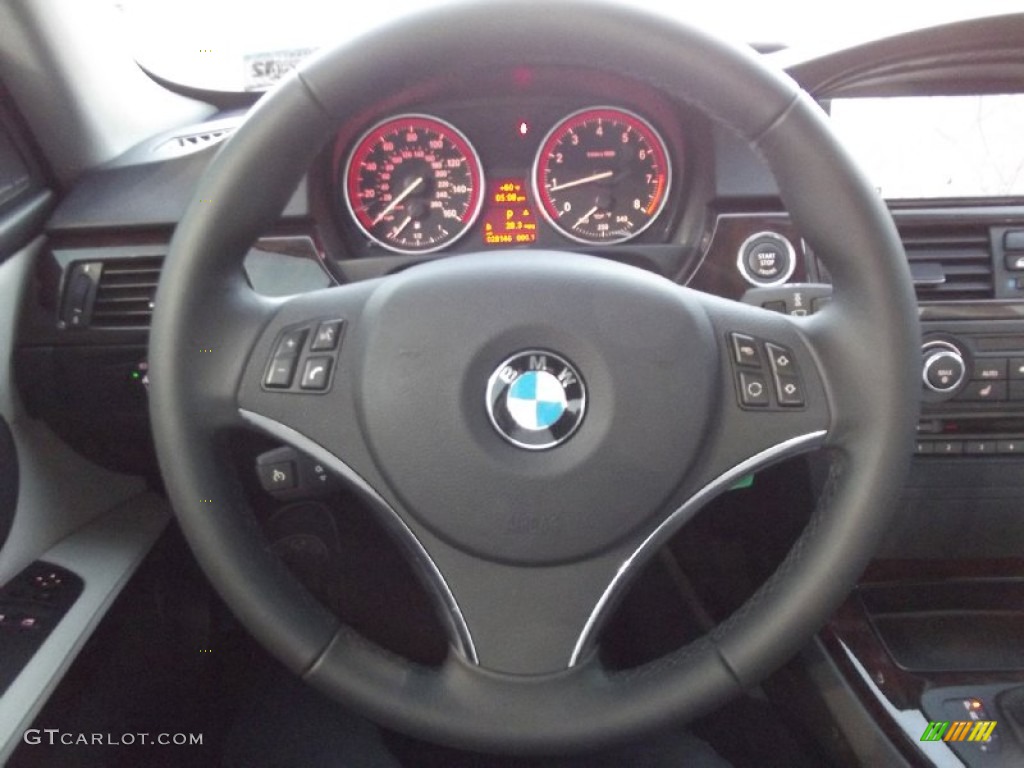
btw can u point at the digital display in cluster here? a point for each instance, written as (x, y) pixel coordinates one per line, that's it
(508, 214)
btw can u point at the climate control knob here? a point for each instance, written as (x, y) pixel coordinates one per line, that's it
(944, 367)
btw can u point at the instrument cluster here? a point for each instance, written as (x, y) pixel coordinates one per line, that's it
(537, 173)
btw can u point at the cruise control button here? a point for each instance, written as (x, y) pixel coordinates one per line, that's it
(744, 350)
(316, 373)
(281, 372)
(790, 391)
(326, 337)
(754, 390)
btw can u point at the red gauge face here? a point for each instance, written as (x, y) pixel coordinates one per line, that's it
(602, 175)
(414, 184)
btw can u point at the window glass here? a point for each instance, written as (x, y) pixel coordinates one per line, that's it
(248, 44)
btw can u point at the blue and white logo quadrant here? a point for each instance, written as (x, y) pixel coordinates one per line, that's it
(536, 400)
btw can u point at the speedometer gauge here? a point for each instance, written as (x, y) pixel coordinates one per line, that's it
(414, 184)
(602, 175)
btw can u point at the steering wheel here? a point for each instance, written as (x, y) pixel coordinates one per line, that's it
(644, 397)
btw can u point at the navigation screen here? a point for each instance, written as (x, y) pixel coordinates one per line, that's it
(937, 146)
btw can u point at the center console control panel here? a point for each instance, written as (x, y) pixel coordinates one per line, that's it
(972, 372)
(958, 368)
(972, 396)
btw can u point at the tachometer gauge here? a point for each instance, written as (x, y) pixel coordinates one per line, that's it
(414, 184)
(602, 175)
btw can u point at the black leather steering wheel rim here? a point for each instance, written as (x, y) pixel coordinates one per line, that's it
(867, 335)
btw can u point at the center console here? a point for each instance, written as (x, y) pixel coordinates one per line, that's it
(933, 633)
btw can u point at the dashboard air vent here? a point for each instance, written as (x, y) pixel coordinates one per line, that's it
(125, 291)
(949, 262)
(185, 143)
(201, 139)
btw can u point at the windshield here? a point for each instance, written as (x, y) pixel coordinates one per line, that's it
(239, 45)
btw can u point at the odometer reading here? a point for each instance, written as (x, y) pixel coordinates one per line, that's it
(414, 184)
(602, 175)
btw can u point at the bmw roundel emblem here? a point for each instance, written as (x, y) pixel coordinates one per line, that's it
(536, 399)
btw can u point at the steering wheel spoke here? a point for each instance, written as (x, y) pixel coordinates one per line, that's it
(775, 399)
(298, 385)
(523, 621)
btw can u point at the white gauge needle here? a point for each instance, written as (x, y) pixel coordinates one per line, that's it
(584, 180)
(398, 230)
(398, 200)
(585, 216)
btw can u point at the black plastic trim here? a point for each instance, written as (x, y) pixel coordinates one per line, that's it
(981, 49)
(451, 614)
(219, 99)
(31, 605)
(108, 198)
(9, 479)
(859, 724)
(672, 523)
(20, 225)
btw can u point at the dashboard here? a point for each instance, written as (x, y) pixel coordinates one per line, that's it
(533, 157)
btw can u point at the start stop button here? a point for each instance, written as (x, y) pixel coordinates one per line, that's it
(766, 259)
